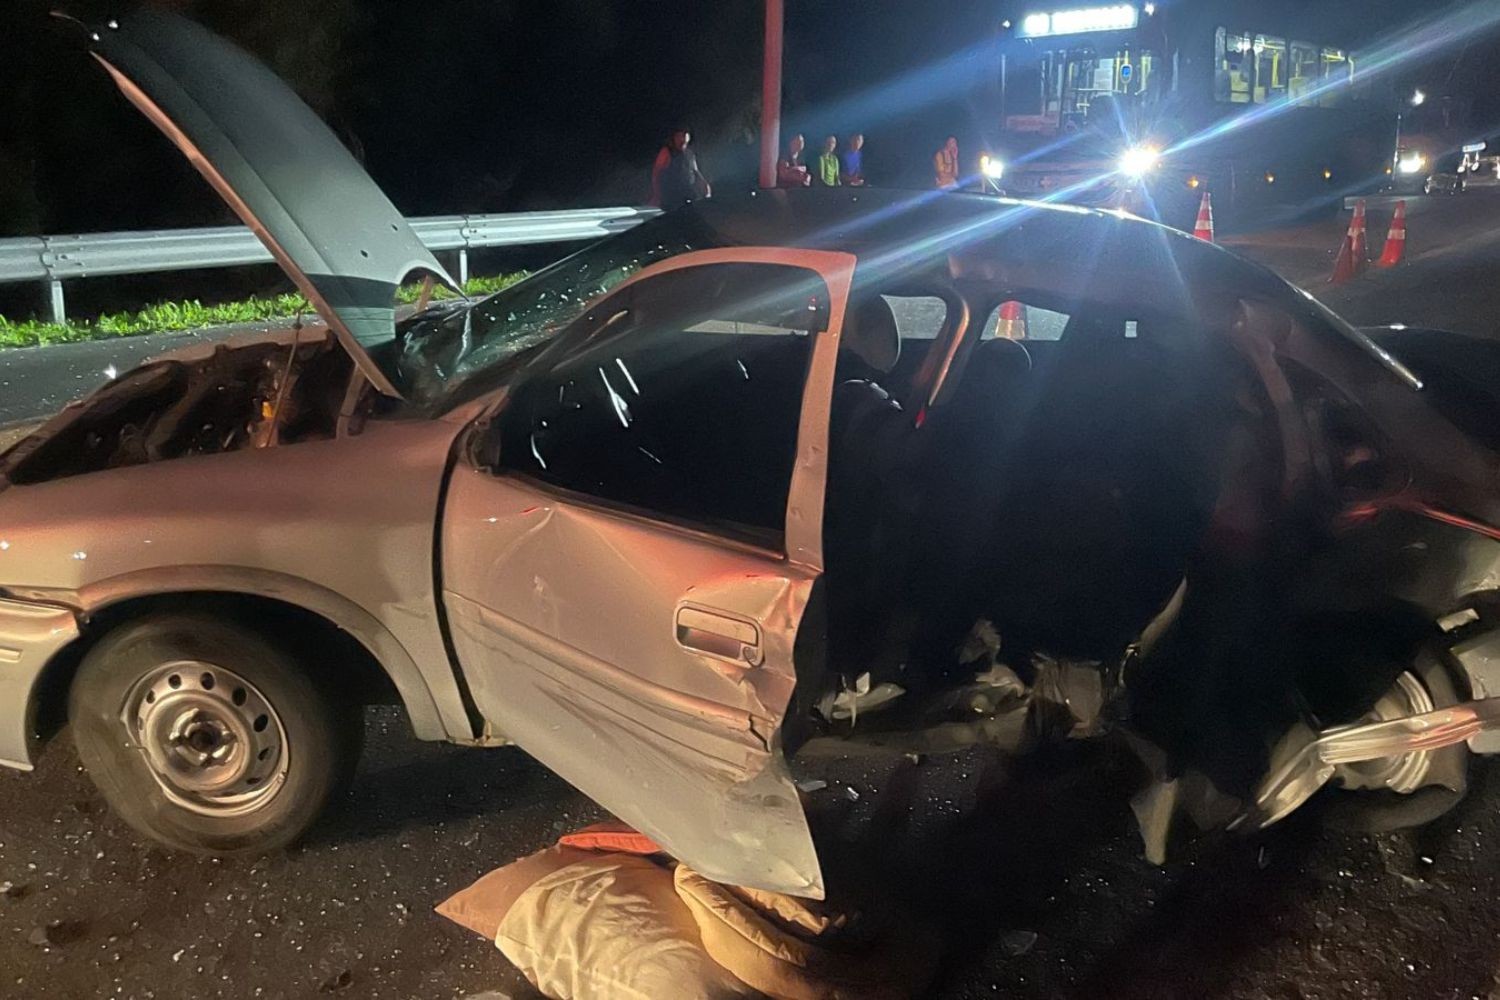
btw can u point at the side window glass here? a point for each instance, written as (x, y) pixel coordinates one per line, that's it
(918, 317)
(680, 396)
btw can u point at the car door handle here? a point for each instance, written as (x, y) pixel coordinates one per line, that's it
(719, 634)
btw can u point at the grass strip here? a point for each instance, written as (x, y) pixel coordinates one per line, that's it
(166, 317)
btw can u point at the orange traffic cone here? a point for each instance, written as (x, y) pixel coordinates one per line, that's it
(1012, 325)
(1204, 230)
(1395, 242)
(1352, 254)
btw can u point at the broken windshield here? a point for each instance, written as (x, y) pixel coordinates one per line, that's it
(448, 358)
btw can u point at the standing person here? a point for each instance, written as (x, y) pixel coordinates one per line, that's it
(828, 163)
(675, 177)
(854, 166)
(945, 165)
(791, 172)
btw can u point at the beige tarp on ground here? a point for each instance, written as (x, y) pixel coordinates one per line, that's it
(611, 928)
(585, 925)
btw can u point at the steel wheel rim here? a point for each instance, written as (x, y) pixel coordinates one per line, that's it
(214, 743)
(1403, 773)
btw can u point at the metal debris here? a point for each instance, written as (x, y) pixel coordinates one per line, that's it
(1017, 943)
(1154, 808)
(982, 643)
(335, 983)
(846, 704)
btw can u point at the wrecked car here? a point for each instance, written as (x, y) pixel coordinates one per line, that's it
(765, 470)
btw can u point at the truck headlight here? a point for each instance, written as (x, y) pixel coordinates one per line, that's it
(1138, 161)
(1411, 163)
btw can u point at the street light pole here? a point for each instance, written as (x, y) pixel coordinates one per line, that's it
(770, 94)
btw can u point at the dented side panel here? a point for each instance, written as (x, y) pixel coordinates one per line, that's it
(566, 621)
(649, 664)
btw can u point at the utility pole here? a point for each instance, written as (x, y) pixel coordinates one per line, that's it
(770, 94)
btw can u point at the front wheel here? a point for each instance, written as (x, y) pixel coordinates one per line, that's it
(207, 737)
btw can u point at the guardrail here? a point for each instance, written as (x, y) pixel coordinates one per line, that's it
(55, 259)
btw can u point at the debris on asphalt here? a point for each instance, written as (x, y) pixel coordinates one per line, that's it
(1074, 688)
(1018, 943)
(846, 704)
(10, 890)
(812, 785)
(337, 983)
(1154, 806)
(55, 933)
(851, 793)
(982, 643)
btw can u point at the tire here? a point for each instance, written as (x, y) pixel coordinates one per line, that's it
(207, 737)
(1384, 811)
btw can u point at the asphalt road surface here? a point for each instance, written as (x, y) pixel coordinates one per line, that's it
(1033, 873)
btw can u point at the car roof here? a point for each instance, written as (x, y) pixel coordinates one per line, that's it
(1040, 244)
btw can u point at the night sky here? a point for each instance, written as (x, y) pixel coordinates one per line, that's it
(490, 105)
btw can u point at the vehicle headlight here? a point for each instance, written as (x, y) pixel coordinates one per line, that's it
(1411, 163)
(1139, 161)
(992, 167)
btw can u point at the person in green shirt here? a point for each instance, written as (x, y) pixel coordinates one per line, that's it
(828, 163)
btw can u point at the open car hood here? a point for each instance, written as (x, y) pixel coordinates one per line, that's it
(279, 167)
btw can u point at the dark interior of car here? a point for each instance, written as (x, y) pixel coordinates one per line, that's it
(1058, 488)
(699, 428)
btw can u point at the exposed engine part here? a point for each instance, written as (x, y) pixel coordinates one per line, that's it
(271, 390)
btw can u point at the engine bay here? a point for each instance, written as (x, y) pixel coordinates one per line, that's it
(269, 391)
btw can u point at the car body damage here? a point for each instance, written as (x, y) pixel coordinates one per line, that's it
(776, 472)
(260, 391)
(687, 751)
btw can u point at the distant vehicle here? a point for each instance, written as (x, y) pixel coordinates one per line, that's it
(1146, 107)
(651, 510)
(1438, 150)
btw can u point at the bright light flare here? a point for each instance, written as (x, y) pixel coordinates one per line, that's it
(1418, 98)
(992, 167)
(1411, 163)
(1138, 161)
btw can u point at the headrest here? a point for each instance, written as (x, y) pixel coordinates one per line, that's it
(870, 334)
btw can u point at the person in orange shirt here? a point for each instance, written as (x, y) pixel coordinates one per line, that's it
(945, 165)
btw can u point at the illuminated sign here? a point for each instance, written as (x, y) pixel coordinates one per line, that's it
(1072, 22)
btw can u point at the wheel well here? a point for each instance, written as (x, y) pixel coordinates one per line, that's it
(352, 667)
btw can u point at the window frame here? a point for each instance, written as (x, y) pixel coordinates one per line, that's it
(801, 538)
